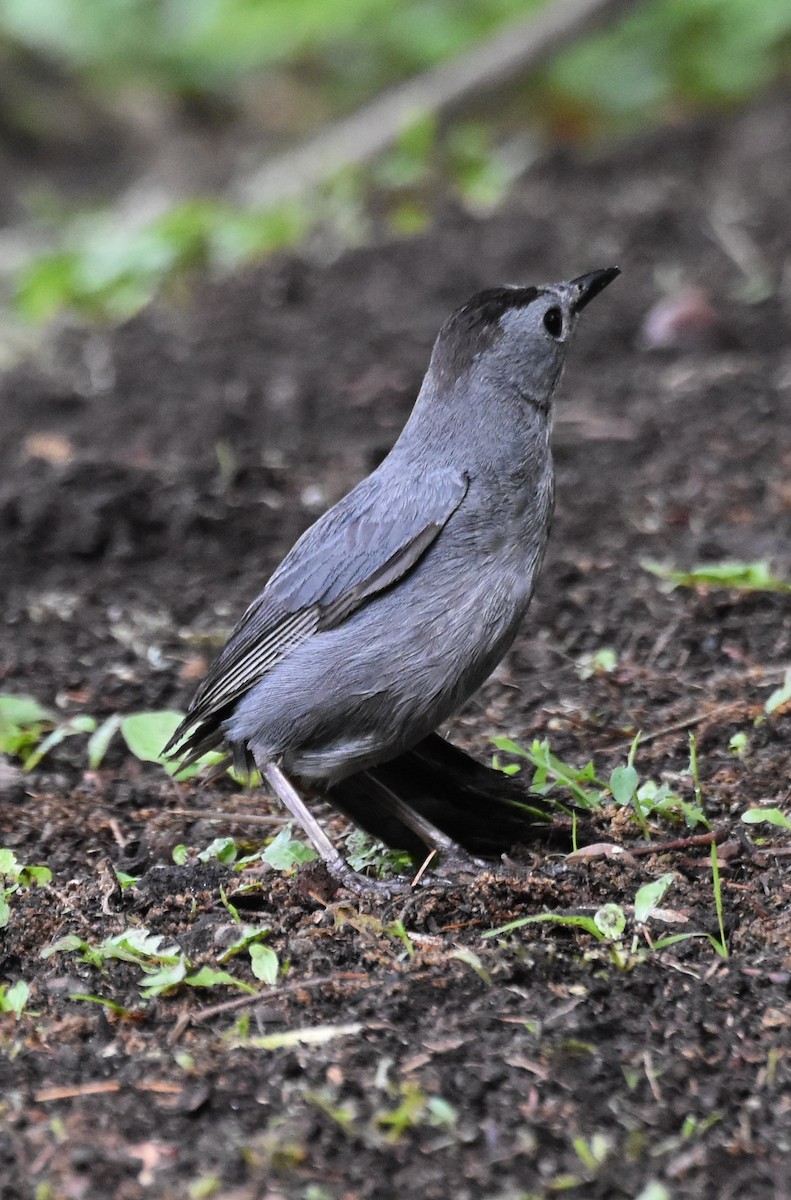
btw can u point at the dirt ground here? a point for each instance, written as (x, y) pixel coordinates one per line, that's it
(151, 477)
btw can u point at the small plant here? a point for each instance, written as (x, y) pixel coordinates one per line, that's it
(284, 852)
(552, 772)
(23, 722)
(414, 1109)
(739, 576)
(367, 855)
(780, 697)
(164, 967)
(653, 799)
(14, 997)
(768, 816)
(14, 877)
(598, 662)
(739, 744)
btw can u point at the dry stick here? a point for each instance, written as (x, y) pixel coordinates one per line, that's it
(275, 993)
(687, 723)
(216, 814)
(511, 53)
(698, 839)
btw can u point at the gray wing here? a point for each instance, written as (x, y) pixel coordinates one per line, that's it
(361, 546)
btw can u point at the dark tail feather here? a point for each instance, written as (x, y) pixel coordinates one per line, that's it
(484, 810)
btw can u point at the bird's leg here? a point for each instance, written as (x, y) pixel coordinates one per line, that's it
(335, 863)
(453, 854)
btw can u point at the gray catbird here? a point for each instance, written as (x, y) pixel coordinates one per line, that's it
(394, 607)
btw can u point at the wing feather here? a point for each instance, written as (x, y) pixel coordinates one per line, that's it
(366, 543)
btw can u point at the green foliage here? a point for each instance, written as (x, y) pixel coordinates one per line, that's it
(164, 967)
(285, 852)
(99, 741)
(105, 271)
(608, 923)
(646, 799)
(648, 897)
(14, 876)
(414, 1108)
(780, 697)
(598, 662)
(264, 963)
(194, 45)
(742, 577)
(222, 849)
(366, 854)
(739, 744)
(766, 816)
(695, 51)
(147, 733)
(653, 799)
(22, 724)
(79, 724)
(721, 945)
(552, 772)
(14, 997)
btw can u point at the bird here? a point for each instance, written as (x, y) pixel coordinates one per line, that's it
(393, 608)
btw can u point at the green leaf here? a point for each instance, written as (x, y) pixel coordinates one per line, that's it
(110, 1005)
(610, 921)
(180, 854)
(623, 784)
(10, 866)
(743, 577)
(65, 945)
(284, 852)
(5, 911)
(739, 744)
(100, 739)
(781, 696)
(146, 734)
(552, 771)
(23, 710)
(38, 875)
(248, 934)
(571, 920)
(164, 978)
(75, 725)
(264, 963)
(14, 998)
(222, 849)
(768, 816)
(209, 977)
(22, 722)
(649, 895)
(126, 881)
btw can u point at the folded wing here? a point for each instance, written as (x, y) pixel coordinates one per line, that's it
(361, 546)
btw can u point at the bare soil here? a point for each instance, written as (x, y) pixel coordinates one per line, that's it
(150, 478)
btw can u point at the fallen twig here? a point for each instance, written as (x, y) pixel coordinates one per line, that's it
(717, 836)
(216, 814)
(275, 993)
(507, 55)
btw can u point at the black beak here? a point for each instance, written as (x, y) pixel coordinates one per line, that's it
(590, 285)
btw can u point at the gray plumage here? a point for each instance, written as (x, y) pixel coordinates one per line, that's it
(394, 607)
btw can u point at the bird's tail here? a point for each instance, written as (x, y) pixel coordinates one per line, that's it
(482, 809)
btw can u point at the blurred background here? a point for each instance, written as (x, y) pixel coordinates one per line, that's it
(144, 143)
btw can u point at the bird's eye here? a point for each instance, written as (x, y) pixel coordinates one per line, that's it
(553, 322)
